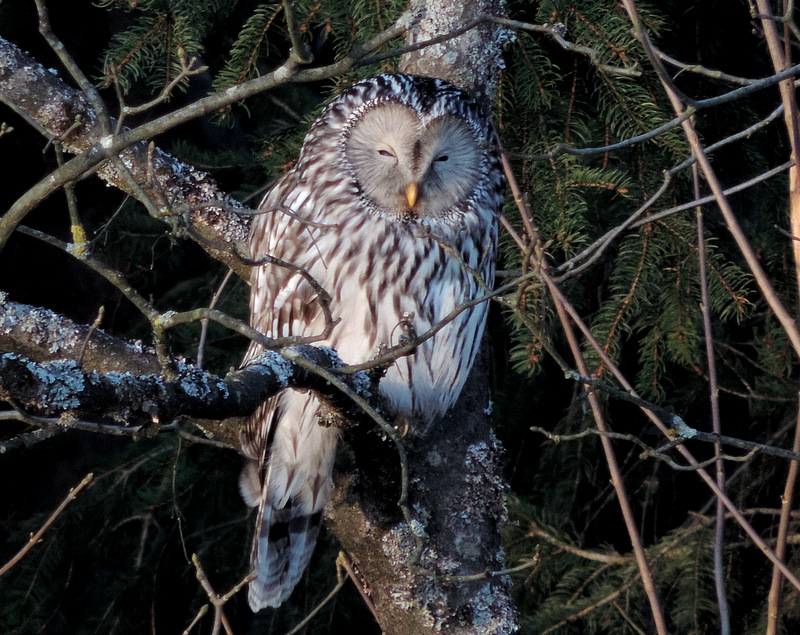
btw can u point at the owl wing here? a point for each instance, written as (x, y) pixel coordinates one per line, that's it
(288, 474)
(282, 302)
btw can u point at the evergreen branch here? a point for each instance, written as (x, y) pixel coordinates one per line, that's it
(628, 619)
(556, 31)
(35, 538)
(594, 251)
(690, 111)
(245, 52)
(188, 68)
(592, 607)
(624, 304)
(676, 99)
(789, 385)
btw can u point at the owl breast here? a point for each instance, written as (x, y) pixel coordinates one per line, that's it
(391, 281)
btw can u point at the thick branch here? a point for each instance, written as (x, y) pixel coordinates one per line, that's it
(41, 335)
(62, 387)
(58, 111)
(124, 380)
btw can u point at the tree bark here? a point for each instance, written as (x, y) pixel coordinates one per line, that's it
(182, 196)
(472, 60)
(438, 574)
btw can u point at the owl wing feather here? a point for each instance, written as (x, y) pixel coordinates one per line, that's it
(288, 473)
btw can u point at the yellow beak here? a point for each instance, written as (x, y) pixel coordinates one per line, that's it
(411, 193)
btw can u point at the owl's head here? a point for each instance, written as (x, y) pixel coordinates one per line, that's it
(414, 148)
(410, 165)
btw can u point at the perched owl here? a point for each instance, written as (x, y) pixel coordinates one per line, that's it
(392, 208)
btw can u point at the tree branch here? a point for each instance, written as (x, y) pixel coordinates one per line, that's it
(61, 387)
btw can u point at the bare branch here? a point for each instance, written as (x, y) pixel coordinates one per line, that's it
(35, 538)
(61, 387)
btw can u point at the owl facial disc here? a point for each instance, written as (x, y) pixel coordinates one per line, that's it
(411, 165)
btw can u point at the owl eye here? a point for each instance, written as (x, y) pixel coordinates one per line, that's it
(385, 153)
(443, 157)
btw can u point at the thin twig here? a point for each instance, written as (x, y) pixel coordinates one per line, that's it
(707, 72)
(713, 386)
(35, 538)
(648, 451)
(95, 325)
(774, 601)
(784, 317)
(74, 70)
(344, 562)
(711, 198)
(218, 601)
(300, 50)
(200, 614)
(201, 345)
(594, 556)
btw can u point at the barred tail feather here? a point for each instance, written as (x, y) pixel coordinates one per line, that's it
(290, 487)
(284, 547)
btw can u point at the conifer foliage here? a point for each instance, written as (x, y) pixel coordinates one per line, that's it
(619, 272)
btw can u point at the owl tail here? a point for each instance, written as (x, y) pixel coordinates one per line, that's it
(290, 491)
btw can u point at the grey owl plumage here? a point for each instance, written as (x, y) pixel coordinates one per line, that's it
(392, 208)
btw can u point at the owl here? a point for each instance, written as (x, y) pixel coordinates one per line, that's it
(392, 209)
